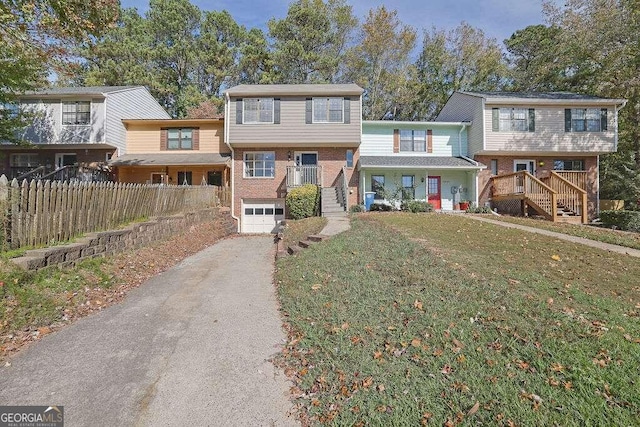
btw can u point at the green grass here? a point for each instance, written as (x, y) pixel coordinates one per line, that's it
(297, 230)
(29, 299)
(410, 319)
(600, 234)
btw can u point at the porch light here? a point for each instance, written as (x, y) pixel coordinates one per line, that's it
(540, 163)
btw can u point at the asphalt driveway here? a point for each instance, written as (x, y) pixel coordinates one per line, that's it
(189, 347)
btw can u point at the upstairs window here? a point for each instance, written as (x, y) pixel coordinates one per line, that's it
(585, 119)
(180, 139)
(513, 119)
(76, 113)
(257, 110)
(328, 110)
(413, 140)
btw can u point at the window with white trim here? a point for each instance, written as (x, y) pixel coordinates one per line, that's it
(259, 164)
(413, 140)
(76, 112)
(408, 187)
(328, 110)
(179, 139)
(377, 185)
(568, 165)
(588, 119)
(257, 110)
(514, 119)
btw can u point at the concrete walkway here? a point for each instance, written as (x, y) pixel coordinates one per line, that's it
(336, 225)
(588, 242)
(189, 347)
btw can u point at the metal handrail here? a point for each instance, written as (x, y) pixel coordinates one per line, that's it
(345, 188)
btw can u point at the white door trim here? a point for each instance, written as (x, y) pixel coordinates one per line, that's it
(531, 165)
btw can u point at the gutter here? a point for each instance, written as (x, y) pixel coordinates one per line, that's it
(227, 104)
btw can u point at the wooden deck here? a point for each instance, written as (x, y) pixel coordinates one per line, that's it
(559, 196)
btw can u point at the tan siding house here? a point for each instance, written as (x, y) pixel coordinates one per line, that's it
(182, 152)
(553, 136)
(283, 136)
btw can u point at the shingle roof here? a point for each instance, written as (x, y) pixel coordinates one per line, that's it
(418, 162)
(80, 90)
(295, 89)
(170, 159)
(543, 96)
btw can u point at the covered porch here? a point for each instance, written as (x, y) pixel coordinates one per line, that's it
(445, 182)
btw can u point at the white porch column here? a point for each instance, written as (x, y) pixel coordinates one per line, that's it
(476, 181)
(362, 186)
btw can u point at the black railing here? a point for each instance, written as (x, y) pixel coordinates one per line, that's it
(79, 173)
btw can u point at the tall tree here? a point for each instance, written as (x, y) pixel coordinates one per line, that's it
(461, 59)
(535, 59)
(35, 37)
(308, 44)
(600, 44)
(381, 64)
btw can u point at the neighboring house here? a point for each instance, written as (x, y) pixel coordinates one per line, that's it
(542, 149)
(418, 160)
(283, 136)
(179, 151)
(75, 126)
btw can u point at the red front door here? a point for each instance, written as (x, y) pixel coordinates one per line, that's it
(433, 189)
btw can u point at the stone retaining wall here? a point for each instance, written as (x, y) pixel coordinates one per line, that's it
(107, 243)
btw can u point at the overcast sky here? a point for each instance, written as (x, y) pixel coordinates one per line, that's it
(497, 18)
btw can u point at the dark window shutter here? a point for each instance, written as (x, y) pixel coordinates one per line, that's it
(309, 111)
(567, 119)
(276, 111)
(603, 119)
(163, 139)
(195, 135)
(396, 140)
(495, 122)
(239, 111)
(347, 110)
(429, 141)
(532, 120)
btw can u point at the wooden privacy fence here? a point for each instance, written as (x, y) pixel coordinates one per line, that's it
(45, 212)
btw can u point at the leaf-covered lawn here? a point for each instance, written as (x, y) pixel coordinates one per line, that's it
(616, 237)
(297, 230)
(441, 320)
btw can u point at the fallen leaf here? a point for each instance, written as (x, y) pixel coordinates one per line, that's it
(381, 387)
(474, 409)
(316, 287)
(457, 343)
(377, 355)
(555, 257)
(417, 304)
(416, 342)
(446, 370)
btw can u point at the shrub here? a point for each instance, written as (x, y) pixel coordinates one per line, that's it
(356, 208)
(479, 209)
(623, 220)
(380, 207)
(416, 206)
(302, 202)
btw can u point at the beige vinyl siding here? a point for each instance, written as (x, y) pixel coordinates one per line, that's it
(549, 135)
(145, 138)
(292, 127)
(377, 140)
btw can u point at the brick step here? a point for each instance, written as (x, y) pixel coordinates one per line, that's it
(295, 249)
(304, 244)
(317, 237)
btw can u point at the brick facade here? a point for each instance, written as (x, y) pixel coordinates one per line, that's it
(543, 164)
(332, 159)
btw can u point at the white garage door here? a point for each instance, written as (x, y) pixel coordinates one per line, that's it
(261, 216)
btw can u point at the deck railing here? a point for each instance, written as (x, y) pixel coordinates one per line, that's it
(569, 195)
(526, 186)
(577, 178)
(301, 175)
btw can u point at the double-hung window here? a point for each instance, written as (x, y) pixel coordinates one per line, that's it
(585, 119)
(514, 119)
(259, 164)
(180, 139)
(328, 110)
(377, 185)
(76, 112)
(408, 187)
(257, 110)
(413, 140)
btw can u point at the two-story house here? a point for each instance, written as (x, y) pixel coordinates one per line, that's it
(542, 149)
(418, 160)
(283, 136)
(178, 151)
(74, 126)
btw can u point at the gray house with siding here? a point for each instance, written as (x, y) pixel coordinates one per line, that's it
(76, 126)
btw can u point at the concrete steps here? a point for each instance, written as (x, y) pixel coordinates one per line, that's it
(331, 206)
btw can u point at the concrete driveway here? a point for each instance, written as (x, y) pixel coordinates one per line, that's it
(189, 347)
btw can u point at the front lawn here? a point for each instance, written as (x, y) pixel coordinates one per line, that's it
(412, 319)
(297, 230)
(616, 237)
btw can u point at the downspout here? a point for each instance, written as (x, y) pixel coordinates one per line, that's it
(475, 180)
(227, 104)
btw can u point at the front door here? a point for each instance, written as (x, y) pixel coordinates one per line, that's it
(65, 159)
(433, 190)
(519, 166)
(306, 171)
